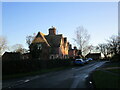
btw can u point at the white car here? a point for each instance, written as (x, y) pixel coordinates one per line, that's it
(90, 59)
(79, 62)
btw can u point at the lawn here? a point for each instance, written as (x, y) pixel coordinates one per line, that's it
(105, 79)
(117, 71)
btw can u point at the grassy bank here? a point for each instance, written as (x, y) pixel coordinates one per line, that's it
(109, 78)
(117, 71)
(43, 71)
(105, 80)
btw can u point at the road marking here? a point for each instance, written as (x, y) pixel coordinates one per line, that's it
(77, 80)
(20, 80)
(26, 80)
(86, 76)
(73, 68)
(75, 83)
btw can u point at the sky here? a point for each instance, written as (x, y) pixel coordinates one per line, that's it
(20, 19)
(119, 19)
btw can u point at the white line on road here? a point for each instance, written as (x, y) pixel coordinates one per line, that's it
(86, 76)
(75, 83)
(26, 80)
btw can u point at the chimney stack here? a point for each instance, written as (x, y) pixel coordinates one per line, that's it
(52, 31)
(70, 46)
(75, 48)
(65, 39)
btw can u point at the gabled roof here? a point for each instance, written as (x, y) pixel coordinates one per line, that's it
(54, 40)
(50, 40)
(40, 39)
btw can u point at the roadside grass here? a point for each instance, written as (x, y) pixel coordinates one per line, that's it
(43, 71)
(117, 71)
(105, 80)
(113, 65)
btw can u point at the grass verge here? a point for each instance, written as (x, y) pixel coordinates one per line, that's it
(105, 79)
(117, 71)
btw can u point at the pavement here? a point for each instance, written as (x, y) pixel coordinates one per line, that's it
(69, 78)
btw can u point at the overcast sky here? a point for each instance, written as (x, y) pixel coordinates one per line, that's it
(26, 18)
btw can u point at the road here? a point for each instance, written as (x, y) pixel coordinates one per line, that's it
(69, 78)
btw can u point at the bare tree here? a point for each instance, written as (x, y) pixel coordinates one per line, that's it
(114, 44)
(29, 39)
(112, 47)
(93, 48)
(3, 44)
(18, 48)
(119, 43)
(82, 39)
(103, 49)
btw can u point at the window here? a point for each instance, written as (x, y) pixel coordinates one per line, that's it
(39, 46)
(51, 57)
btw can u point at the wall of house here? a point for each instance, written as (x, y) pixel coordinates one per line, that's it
(54, 56)
(64, 47)
(41, 54)
(71, 53)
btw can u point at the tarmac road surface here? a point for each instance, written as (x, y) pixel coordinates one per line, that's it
(69, 78)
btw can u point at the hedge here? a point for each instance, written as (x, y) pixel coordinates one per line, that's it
(21, 66)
